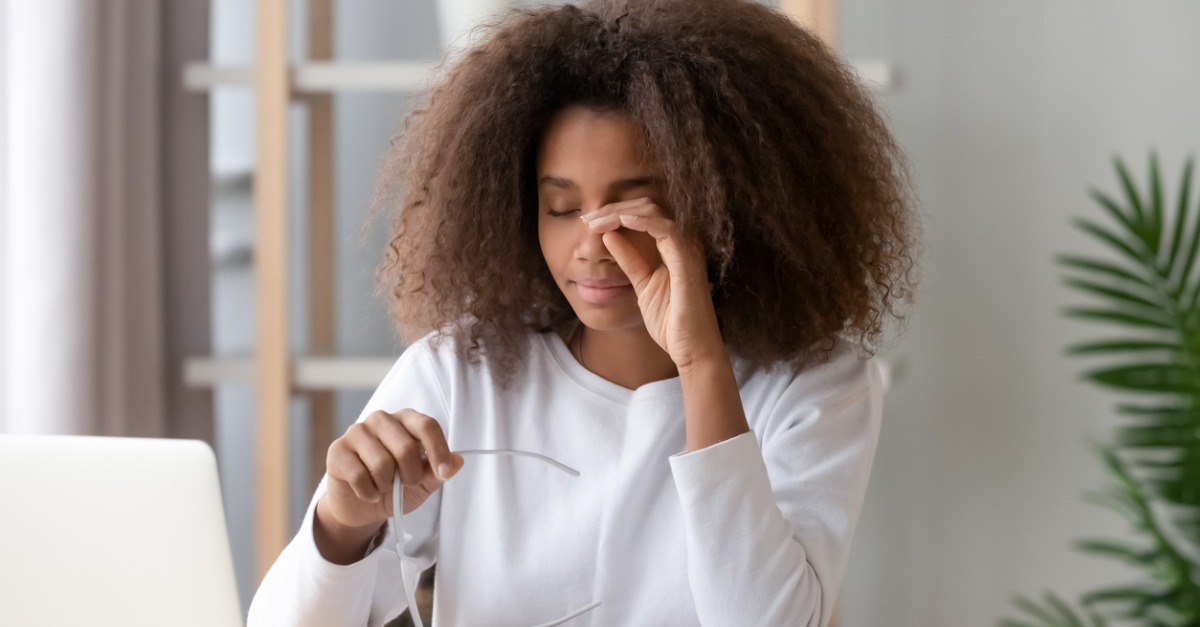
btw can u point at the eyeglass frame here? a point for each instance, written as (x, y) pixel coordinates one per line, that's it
(401, 537)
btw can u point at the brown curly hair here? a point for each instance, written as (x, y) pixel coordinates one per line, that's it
(770, 153)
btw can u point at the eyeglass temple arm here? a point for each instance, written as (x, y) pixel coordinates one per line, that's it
(399, 534)
(504, 451)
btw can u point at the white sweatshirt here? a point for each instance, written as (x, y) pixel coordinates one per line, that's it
(751, 531)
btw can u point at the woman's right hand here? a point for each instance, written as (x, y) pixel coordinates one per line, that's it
(361, 466)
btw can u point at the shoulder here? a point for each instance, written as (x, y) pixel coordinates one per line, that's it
(411, 382)
(451, 358)
(847, 372)
(429, 373)
(849, 382)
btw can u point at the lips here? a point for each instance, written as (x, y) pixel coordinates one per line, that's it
(602, 282)
(599, 291)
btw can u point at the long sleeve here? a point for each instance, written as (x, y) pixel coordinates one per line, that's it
(302, 589)
(769, 515)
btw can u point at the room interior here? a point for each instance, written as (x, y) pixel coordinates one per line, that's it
(273, 116)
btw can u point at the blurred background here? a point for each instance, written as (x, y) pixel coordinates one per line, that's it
(129, 243)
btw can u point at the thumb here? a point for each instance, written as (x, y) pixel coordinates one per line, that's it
(628, 258)
(448, 467)
(430, 483)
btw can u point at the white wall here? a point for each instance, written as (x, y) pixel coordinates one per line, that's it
(1010, 111)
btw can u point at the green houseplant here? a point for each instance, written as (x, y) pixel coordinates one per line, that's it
(1146, 293)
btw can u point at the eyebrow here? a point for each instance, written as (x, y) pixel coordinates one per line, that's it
(615, 186)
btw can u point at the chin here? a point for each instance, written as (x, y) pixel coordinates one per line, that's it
(608, 318)
(612, 314)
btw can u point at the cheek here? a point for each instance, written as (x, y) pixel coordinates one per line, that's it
(555, 247)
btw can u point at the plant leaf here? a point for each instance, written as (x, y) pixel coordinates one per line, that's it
(1147, 377)
(1151, 291)
(1155, 436)
(1064, 610)
(1104, 235)
(1104, 268)
(1119, 317)
(1131, 191)
(1114, 501)
(1120, 295)
(1121, 346)
(1162, 411)
(1033, 609)
(1124, 594)
(1181, 212)
(1155, 219)
(1096, 618)
(1131, 222)
(1180, 492)
(1117, 550)
(1190, 244)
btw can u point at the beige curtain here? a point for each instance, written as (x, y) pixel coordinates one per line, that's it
(80, 260)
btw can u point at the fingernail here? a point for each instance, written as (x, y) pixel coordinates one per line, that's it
(626, 218)
(444, 471)
(374, 498)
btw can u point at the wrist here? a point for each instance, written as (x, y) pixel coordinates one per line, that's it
(338, 543)
(712, 402)
(706, 363)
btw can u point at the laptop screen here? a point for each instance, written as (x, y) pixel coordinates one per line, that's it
(113, 531)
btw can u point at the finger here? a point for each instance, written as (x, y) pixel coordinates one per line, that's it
(644, 204)
(657, 227)
(606, 217)
(677, 252)
(403, 447)
(345, 464)
(382, 471)
(379, 465)
(629, 259)
(433, 441)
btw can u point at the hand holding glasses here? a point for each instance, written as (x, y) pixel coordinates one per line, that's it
(406, 454)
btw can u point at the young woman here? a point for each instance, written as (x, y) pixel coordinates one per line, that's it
(656, 243)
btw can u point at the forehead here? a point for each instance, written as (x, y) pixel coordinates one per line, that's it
(583, 142)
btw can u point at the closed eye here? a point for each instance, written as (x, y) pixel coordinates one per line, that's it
(558, 214)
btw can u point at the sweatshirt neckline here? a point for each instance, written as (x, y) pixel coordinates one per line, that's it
(599, 385)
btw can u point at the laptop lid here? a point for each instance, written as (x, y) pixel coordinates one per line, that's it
(113, 531)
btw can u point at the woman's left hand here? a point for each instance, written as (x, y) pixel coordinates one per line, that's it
(673, 291)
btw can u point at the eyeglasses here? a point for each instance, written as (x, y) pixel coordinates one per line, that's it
(410, 570)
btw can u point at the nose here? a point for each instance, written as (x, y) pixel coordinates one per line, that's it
(589, 246)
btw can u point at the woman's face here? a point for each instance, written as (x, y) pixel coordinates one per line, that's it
(588, 159)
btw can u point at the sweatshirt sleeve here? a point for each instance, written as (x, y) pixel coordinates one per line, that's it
(769, 514)
(303, 589)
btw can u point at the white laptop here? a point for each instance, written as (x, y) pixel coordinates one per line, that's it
(113, 531)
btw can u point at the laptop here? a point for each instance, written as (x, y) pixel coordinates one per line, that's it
(113, 531)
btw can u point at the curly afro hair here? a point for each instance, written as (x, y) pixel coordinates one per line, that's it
(770, 153)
